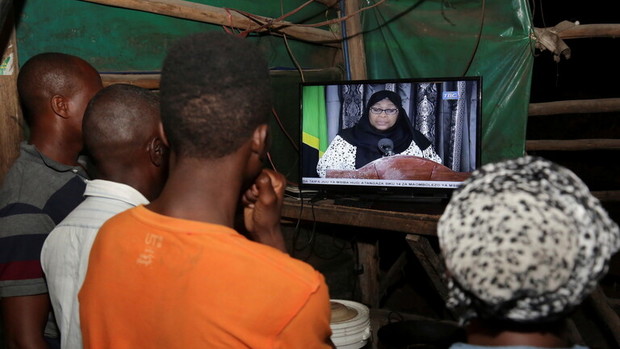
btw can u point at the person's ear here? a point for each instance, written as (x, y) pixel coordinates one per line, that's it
(60, 106)
(157, 151)
(260, 141)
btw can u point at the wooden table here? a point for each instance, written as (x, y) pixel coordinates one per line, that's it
(327, 211)
(418, 221)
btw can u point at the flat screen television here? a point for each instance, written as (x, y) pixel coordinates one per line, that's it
(389, 139)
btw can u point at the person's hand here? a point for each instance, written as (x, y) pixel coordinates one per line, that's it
(262, 204)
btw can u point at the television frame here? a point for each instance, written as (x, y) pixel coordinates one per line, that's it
(441, 88)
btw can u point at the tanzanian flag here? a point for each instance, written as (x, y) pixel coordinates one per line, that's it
(314, 132)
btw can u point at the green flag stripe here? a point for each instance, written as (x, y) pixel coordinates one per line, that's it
(314, 118)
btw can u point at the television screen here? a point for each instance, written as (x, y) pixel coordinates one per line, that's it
(389, 137)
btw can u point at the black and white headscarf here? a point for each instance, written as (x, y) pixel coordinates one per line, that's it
(524, 240)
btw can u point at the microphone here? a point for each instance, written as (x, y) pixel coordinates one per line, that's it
(386, 146)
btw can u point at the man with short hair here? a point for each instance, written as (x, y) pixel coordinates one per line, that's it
(174, 274)
(42, 186)
(125, 141)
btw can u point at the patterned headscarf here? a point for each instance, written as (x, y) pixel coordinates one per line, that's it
(524, 240)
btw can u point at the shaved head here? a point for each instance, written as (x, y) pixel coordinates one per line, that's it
(118, 120)
(48, 74)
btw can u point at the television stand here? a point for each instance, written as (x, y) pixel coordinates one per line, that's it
(354, 202)
(404, 203)
(401, 218)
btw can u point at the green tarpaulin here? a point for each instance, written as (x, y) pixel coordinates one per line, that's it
(403, 39)
(408, 39)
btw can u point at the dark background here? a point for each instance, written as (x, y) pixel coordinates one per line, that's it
(591, 72)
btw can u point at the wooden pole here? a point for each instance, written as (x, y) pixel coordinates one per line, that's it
(591, 31)
(11, 132)
(609, 317)
(607, 195)
(149, 81)
(368, 252)
(369, 278)
(433, 265)
(601, 105)
(326, 211)
(355, 42)
(225, 17)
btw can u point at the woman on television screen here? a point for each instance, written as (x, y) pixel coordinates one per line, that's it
(383, 130)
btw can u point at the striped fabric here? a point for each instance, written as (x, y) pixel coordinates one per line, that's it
(37, 193)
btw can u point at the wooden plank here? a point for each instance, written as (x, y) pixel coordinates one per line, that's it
(432, 264)
(609, 317)
(571, 145)
(430, 261)
(149, 81)
(600, 105)
(573, 332)
(369, 279)
(225, 17)
(591, 31)
(11, 132)
(327, 212)
(607, 195)
(355, 41)
(393, 275)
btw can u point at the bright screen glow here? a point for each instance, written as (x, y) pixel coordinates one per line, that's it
(432, 127)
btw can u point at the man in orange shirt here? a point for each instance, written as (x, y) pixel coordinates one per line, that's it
(174, 274)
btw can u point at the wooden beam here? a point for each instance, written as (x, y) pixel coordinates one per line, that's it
(149, 81)
(430, 261)
(326, 211)
(225, 17)
(609, 317)
(571, 145)
(601, 105)
(393, 275)
(591, 31)
(355, 41)
(11, 132)
(607, 195)
(432, 264)
(369, 279)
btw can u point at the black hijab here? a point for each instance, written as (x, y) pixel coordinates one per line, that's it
(366, 137)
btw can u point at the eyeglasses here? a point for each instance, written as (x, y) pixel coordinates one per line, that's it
(378, 111)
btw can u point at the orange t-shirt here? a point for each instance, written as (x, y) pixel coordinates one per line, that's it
(159, 282)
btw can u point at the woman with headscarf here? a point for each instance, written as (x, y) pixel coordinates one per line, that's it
(384, 117)
(524, 243)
